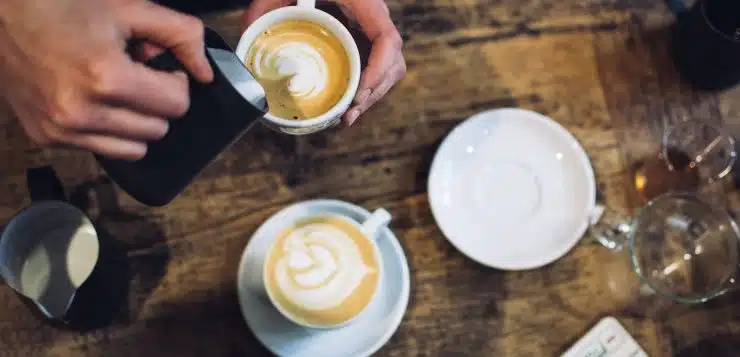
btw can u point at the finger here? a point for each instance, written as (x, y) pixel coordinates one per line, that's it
(127, 124)
(34, 133)
(142, 89)
(372, 16)
(351, 17)
(392, 77)
(385, 51)
(109, 146)
(182, 34)
(375, 22)
(145, 51)
(259, 8)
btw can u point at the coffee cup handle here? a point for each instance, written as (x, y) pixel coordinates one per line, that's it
(377, 221)
(44, 185)
(307, 3)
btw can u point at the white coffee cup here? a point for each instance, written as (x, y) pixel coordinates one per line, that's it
(370, 228)
(306, 10)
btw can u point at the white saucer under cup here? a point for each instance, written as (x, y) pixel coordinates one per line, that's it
(364, 336)
(511, 189)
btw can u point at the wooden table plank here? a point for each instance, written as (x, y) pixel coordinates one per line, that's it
(601, 68)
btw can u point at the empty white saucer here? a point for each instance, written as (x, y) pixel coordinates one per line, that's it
(363, 337)
(511, 189)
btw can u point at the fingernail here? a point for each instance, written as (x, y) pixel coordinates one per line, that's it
(362, 96)
(163, 129)
(208, 74)
(352, 116)
(135, 152)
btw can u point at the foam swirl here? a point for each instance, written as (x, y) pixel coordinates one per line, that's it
(303, 65)
(321, 266)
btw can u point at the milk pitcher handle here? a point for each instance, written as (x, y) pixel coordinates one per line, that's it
(44, 185)
(166, 62)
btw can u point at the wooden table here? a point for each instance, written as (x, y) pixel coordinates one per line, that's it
(599, 67)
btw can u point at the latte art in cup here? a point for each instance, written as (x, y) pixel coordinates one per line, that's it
(321, 268)
(303, 67)
(322, 272)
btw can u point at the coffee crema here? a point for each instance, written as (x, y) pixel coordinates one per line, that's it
(322, 271)
(302, 66)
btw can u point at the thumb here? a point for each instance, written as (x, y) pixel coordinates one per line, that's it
(260, 7)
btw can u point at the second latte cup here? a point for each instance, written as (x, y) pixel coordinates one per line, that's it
(306, 10)
(369, 229)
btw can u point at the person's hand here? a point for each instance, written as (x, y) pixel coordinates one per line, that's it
(67, 75)
(386, 65)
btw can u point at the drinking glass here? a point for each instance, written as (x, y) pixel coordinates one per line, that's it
(702, 146)
(693, 153)
(680, 247)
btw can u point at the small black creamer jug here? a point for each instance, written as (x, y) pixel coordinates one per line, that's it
(220, 113)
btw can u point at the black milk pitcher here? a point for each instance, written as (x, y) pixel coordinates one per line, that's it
(220, 113)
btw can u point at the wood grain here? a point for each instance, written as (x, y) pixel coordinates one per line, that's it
(599, 67)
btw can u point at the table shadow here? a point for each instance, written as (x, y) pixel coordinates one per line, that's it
(209, 325)
(718, 346)
(132, 262)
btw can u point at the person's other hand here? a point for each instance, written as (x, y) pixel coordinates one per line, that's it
(67, 75)
(386, 65)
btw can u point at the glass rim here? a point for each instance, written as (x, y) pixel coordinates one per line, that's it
(722, 132)
(688, 196)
